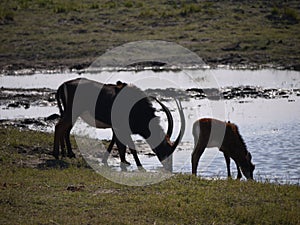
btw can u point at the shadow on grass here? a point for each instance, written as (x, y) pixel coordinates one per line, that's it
(53, 164)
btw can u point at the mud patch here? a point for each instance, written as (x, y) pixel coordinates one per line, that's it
(18, 97)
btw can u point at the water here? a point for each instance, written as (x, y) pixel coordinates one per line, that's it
(223, 77)
(270, 127)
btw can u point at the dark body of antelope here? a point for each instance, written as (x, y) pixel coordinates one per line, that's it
(94, 102)
(209, 132)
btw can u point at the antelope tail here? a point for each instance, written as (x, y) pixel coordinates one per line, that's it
(61, 99)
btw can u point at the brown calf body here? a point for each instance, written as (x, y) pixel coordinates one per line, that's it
(209, 133)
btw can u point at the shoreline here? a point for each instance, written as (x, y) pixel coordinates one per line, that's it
(18, 70)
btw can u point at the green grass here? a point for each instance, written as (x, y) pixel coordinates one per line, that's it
(76, 194)
(54, 33)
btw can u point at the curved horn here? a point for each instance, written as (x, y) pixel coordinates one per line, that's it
(182, 128)
(169, 116)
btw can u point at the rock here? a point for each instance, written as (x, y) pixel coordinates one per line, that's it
(296, 67)
(18, 104)
(74, 188)
(232, 47)
(14, 105)
(52, 117)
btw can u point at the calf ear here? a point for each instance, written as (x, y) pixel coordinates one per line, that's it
(248, 156)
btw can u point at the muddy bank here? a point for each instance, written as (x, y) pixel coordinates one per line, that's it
(44, 97)
(233, 61)
(16, 97)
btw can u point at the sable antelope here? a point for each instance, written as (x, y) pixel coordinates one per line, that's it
(133, 151)
(209, 133)
(96, 103)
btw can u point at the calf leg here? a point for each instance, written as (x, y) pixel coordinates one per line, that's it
(239, 175)
(198, 151)
(227, 159)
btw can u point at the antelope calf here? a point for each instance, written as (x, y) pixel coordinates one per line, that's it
(210, 133)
